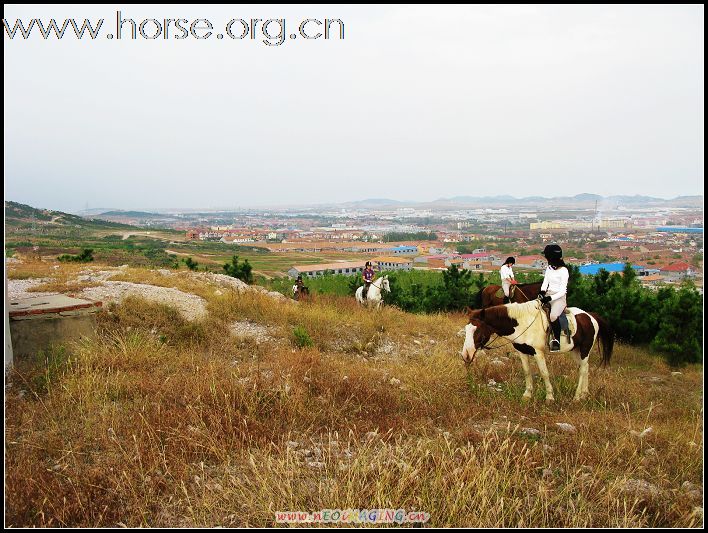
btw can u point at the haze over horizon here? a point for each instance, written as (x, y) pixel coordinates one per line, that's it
(417, 103)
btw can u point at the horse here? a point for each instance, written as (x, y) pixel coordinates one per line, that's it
(373, 296)
(524, 292)
(525, 327)
(301, 292)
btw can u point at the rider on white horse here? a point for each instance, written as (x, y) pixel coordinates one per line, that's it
(368, 274)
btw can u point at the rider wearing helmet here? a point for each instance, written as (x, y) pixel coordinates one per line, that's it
(298, 285)
(507, 277)
(368, 274)
(554, 289)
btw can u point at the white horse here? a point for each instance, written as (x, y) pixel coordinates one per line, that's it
(373, 296)
(525, 327)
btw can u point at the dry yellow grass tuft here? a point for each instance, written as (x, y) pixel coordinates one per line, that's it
(164, 422)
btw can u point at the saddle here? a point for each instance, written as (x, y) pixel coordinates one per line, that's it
(500, 292)
(567, 322)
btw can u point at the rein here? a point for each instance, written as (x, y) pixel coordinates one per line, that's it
(373, 284)
(490, 347)
(518, 288)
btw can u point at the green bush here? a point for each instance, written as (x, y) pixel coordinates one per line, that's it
(241, 271)
(301, 338)
(86, 256)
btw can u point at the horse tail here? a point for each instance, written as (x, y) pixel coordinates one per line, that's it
(606, 338)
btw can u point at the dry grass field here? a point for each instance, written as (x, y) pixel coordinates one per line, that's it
(160, 421)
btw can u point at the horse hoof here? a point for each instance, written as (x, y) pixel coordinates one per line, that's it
(550, 399)
(526, 397)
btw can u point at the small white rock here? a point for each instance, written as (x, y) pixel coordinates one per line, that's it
(641, 434)
(530, 431)
(565, 427)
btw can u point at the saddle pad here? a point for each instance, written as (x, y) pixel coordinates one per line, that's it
(569, 315)
(500, 292)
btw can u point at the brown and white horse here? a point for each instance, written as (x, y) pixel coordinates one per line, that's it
(525, 327)
(523, 293)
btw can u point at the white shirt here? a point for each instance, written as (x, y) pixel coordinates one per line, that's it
(555, 282)
(506, 272)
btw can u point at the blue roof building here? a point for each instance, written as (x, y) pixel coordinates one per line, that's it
(405, 250)
(677, 229)
(591, 270)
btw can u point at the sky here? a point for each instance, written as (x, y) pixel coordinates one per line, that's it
(415, 103)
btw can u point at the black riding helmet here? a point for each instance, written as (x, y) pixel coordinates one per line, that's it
(553, 252)
(510, 260)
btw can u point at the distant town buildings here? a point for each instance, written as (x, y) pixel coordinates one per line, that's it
(346, 268)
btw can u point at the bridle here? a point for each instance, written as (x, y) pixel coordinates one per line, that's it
(488, 346)
(373, 284)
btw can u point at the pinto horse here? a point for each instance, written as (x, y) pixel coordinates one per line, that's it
(525, 327)
(523, 293)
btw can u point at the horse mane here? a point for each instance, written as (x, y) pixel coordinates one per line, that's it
(523, 310)
(530, 284)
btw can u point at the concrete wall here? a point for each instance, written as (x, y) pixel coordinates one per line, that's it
(31, 336)
(8, 337)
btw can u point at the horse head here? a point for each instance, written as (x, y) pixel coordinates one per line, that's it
(385, 285)
(477, 335)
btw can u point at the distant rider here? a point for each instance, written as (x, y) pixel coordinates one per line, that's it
(297, 288)
(507, 277)
(368, 274)
(554, 289)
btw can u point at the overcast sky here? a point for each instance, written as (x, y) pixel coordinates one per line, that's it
(415, 103)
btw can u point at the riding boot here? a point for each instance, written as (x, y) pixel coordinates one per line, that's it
(556, 329)
(506, 300)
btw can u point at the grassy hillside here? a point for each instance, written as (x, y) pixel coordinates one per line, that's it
(164, 422)
(23, 216)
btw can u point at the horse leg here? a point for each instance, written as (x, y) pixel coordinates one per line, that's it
(541, 362)
(528, 393)
(579, 389)
(584, 372)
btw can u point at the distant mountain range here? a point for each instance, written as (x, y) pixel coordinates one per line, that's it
(579, 200)
(16, 212)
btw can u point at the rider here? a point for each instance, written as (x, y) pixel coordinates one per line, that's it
(298, 285)
(507, 277)
(554, 289)
(368, 274)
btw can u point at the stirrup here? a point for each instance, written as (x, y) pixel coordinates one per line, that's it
(555, 345)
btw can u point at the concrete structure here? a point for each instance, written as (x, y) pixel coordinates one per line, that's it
(38, 323)
(347, 268)
(8, 337)
(392, 263)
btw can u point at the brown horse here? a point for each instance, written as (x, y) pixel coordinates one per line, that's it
(524, 292)
(302, 293)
